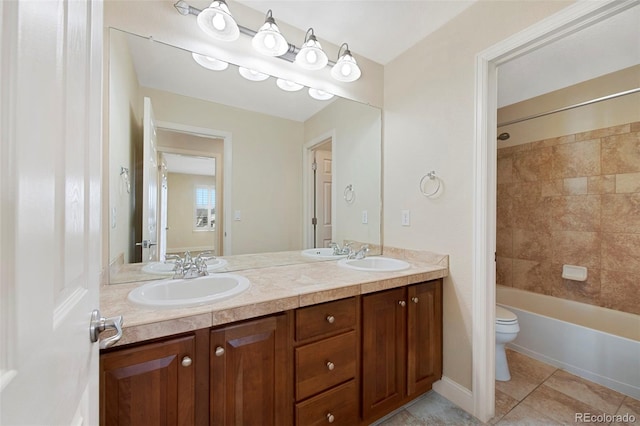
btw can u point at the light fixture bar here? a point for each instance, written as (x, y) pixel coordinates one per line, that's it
(290, 55)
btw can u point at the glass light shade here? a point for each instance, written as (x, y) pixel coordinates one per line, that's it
(346, 69)
(217, 22)
(311, 56)
(252, 75)
(320, 95)
(209, 63)
(288, 86)
(269, 41)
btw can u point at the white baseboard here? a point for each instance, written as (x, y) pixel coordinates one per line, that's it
(455, 393)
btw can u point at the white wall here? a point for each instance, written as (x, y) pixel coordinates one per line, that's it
(429, 114)
(266, 169)
(125, 116)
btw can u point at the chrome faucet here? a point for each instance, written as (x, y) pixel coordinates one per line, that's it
(337, 251)
(188, 267)
(360, 254)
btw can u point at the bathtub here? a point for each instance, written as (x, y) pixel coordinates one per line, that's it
(598, 344)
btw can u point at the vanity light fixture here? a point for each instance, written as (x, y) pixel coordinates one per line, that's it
(346, 69)
(209, 62)
(217, 22)
(269, 40)
(320, 95)
(311, 56)
(252, 75)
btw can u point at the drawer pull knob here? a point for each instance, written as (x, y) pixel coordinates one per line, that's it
(414, 299)
(331, 319)
(330, 418)
(186, 361)
(219, 351)
(330, 365)
(402, 303)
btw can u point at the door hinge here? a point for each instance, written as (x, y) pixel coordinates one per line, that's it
(314, 221)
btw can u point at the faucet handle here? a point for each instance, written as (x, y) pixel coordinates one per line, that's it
(171, 257)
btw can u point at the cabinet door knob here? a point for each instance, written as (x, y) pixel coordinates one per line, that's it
(186, 361)
(219, 351)
(402, 303)
(330, 365)
(330, 418)
(331, 319)
(414, 299)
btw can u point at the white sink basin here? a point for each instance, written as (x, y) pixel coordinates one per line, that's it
(189, 292)
(322, 253)
(375, 264)
(166, 268)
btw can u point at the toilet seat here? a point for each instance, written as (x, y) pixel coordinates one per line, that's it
(505, 316)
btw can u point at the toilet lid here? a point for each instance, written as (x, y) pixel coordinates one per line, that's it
(505, 316)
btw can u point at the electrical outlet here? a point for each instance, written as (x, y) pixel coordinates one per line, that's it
(406, 218)
(365, 216)
(237, 215)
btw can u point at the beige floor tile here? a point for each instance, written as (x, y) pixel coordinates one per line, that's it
(558, 406)
(434, 409)
(592, 394)
(403, 418)
(630, 407)
(504, 404)
(523, 415)
(526, 375)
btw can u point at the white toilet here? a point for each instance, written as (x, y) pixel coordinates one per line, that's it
(507, 329)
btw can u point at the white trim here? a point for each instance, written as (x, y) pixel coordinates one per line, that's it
(307, 183)
(456, 393)
(63, 309)
(227, 247)
(569, 20)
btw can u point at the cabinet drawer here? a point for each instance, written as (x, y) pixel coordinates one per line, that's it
(325, 318)
(323, 364)
(338, 406)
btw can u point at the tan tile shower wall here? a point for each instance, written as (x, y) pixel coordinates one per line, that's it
(572, 200)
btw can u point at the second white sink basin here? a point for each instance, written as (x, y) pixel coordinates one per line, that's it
(322, 253)
(375, 264)
(189, 292)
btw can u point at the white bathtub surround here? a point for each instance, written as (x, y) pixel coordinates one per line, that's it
(599, 344)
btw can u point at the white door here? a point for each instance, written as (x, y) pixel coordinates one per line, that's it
(164, 192)
(323, 198)
(50, 115)
(149, 185)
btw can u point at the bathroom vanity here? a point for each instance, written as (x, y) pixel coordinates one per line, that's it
(307, 344)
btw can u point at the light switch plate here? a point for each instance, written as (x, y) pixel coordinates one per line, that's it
(365, 216)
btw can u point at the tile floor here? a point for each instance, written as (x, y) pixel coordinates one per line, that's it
(537, 394)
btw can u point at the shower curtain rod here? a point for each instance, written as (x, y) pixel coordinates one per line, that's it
(589, 102)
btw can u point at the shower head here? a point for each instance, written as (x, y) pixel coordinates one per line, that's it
(504, 136)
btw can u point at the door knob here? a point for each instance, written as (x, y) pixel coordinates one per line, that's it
(414, 299)
(331, 319)
(99, 324)
(402, 303)
(219, 351)
(186, 361)
(146, 244)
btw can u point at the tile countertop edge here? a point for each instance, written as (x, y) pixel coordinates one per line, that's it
(211, 315)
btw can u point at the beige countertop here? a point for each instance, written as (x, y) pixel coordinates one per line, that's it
(273, 289)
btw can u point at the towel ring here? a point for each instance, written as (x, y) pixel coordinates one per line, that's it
(432, 176)
(349, 194)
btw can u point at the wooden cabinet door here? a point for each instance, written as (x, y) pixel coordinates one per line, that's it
(383, 351)
(251, 380)
(424, 336)
(153, 384)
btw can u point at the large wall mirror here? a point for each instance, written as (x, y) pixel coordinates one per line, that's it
(207, 160)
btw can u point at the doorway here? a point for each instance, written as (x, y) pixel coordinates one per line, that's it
(567, 21)
(321, 207)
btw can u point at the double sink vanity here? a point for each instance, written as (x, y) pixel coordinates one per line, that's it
(275, 340)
